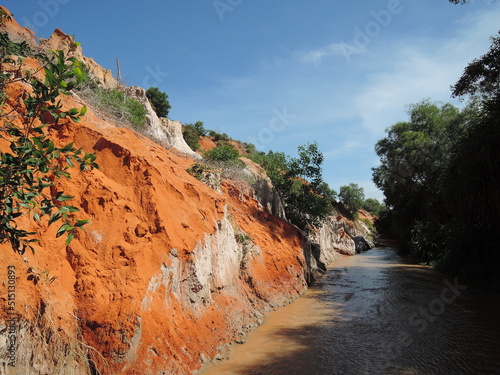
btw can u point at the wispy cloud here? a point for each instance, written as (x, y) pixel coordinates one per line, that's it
(316, 56)
(346, 147)
(425, 69)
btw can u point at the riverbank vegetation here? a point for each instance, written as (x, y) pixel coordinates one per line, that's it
(440, 177)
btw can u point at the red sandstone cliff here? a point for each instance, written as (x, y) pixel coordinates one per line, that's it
(158, 281)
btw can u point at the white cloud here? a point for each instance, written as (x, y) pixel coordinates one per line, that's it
(425, 69)
(317, 56)
(346, 147)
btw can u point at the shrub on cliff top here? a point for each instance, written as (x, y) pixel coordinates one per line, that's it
(110, 102)
(121, 107)
(222, 153)
(159, 101)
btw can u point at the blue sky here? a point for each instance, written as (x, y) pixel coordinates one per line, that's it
(280, 74)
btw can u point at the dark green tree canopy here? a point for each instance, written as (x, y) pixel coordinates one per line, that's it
(482, 76)
(352, 196)
(300, 182)
(373, 206)
(159, 101)
(414, 152)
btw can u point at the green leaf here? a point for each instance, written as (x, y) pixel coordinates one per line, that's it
(50, 78)
(55, 217)
(63, 228)
(80, 223)
(50, 148)
(73, 111)
(69, 238)
(65, 209)
(63, 198)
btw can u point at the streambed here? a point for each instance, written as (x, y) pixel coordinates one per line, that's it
(374, 313)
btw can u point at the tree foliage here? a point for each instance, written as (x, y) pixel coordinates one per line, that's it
(300, 183)
(481, 77)
(373, 206)
(222, 153)
(440, 177)
(414, 156)
(30, 169)
(192, 134)
(191, 137)
(352, 196)
(159, 101)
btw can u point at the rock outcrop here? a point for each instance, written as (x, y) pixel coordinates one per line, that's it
(269, 198)
(162, 129)
(337, 236)
(64, 42)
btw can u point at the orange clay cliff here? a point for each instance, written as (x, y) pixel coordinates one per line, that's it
(159, 282)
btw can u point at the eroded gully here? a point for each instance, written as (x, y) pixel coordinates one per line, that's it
(376, 314)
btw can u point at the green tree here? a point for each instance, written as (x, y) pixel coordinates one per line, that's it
(414, 156)
(159, 101)
(472, 178)
(300, 183)
(327, 192)
(352, 196)
(481, 78)
(30, 170)
(373, 206)
(190, 135)
(200, 129)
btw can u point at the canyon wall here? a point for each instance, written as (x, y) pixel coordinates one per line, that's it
(167, 273)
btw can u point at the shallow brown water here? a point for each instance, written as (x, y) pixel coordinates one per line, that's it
(375, 314)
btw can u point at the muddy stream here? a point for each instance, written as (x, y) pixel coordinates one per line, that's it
(375, 314)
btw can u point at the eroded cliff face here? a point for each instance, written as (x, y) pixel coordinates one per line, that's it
(167, 272)
(163, 130)
(158, 281)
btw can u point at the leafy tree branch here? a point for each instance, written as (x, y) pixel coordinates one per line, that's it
(32, 165)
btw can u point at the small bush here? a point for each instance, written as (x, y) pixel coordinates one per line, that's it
(191, 137)
(122, 107)
(222, 153)
(205, 174)
(159, 101)
(114, 103)
(218, 137)
(427, 241)
(244, 239)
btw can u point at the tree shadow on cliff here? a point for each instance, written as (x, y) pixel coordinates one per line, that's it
(277, 225)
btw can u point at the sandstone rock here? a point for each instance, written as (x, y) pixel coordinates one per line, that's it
(61, 41)
(162, 129)
(269, 198)
(17, 33)
(157, 267)
(157, 280)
